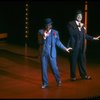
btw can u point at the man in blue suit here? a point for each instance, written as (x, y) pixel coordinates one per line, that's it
(77, 38)
(48, 39)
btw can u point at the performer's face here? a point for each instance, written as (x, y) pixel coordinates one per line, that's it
(49, 26)
(79, 17)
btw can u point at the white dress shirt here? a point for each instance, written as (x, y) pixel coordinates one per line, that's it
(80, 25)
(46, 34)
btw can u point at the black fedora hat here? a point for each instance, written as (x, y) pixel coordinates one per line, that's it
(48, 21)
(79, 12)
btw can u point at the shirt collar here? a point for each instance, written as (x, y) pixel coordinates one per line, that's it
(77, 22)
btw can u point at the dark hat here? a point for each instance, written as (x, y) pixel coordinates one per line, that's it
(78, 12)
(48, 21)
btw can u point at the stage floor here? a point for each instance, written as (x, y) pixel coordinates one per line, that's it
(20, 76)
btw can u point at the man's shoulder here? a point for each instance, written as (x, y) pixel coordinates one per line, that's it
(71, 22)
(54, 30)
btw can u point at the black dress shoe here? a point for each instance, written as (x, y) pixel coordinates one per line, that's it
(87, 78)
(73, 79)
(44, 86)
(59, 83)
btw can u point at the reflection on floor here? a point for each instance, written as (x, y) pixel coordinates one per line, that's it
(20, 76)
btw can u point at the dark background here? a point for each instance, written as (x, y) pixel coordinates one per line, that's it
(12, 21)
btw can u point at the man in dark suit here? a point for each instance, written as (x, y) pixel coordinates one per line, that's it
(77, 38)
(48, 39)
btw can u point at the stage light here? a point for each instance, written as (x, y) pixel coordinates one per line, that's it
(26, 5)
(26, 14)
(26, 18)
(26, 9)
(26, 21)
(26, 27)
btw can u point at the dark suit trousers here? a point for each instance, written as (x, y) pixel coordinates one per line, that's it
(77, 58)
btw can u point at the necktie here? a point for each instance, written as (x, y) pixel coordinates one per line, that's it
(79, 25)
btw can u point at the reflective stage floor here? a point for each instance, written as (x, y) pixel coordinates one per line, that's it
(20, 76)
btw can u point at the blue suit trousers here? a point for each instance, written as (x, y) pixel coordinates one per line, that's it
(45, 59)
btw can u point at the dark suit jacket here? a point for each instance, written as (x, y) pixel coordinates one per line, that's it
(74, 35)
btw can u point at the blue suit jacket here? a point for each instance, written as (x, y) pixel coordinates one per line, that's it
(55, 41)
(74, 36)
